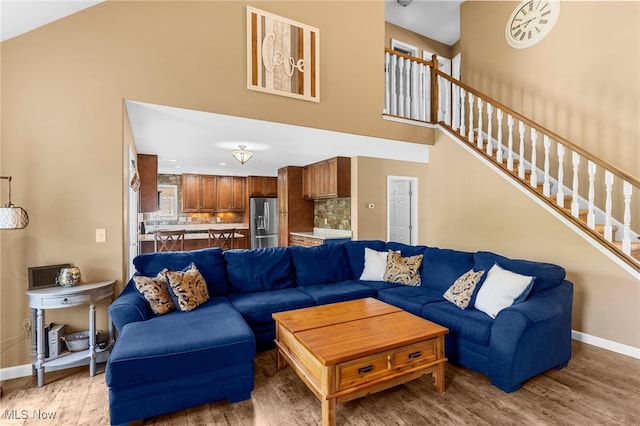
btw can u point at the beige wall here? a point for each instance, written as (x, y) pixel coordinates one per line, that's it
(63, 138)
(581, 81)
(370, 186)
(472, 208)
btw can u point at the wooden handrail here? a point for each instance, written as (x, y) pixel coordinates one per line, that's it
(411, 58)
(604, 164)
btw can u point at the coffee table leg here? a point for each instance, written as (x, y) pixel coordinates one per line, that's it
(328, 412)
(438, 378)
(280, 361)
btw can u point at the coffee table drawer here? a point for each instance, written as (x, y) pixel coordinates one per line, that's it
(416, 354)
(353, 373)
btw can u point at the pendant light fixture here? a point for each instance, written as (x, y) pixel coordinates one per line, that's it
(242, 155)
(12, 217)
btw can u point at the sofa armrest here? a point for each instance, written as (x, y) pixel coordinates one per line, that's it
(128, 307)
(531, 337)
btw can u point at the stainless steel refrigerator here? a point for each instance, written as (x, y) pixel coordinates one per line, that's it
(263, 222)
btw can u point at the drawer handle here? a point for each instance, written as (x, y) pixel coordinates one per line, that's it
(366, 369)
(414, 355)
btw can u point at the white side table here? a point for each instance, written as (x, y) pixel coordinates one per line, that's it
(64, 297)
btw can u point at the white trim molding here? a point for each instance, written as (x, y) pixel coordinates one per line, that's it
(606, 344)
(9, 373)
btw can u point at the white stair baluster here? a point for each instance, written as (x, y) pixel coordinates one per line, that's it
(394, 85)
(626, 226)
(463, 94)
(533, 178)
(560, 193)
(510, 142)
(521, 168)
(546, 185)
(489, 129)
(387, 82)
(608, 223)
(575, 206)
(421, 103)
(591, 214)
(470, 137)
(499, 149)
(407, 88)
(479, 140)
(455, 119)
(401, 87)
(415, 94)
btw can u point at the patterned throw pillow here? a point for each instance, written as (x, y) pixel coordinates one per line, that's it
(403, 270)
(155, 291)
(189, 287)
(461, 290)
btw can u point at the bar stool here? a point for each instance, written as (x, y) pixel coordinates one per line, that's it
(169, 240)
(224, 240)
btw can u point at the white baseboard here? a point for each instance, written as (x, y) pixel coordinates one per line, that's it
(25, 370)
(606, 344)
(15, 372)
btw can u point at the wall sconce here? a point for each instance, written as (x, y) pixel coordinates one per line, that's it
(242, 155)
(12, 217)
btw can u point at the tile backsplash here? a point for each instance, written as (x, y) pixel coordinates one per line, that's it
(334, 213)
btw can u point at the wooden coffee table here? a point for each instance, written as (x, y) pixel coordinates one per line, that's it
(348, 350)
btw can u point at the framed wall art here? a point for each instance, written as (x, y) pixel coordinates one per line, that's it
(283, 56)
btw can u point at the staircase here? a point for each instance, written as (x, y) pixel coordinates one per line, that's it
(591, 195)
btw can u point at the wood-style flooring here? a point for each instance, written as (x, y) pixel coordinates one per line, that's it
(598, 387)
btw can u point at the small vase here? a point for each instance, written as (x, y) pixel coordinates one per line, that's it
(68, 277)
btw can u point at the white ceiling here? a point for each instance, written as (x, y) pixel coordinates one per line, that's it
(200, 141)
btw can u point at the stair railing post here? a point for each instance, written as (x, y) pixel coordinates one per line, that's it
(434, 89)
(387, 82)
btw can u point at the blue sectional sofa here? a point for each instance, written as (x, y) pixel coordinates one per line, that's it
(164, 363)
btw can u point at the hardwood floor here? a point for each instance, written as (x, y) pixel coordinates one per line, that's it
(597, 388)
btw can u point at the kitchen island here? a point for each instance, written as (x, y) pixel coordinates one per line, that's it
(196, 236)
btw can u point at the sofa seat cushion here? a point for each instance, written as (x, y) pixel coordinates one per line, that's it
(547, 275)
(442, 267)
(257, 307)
(377, 285)
(470, 324)
(259, 270)
(338, 292)
(180, 344)
(208, 261)
(311, 263)
(411, 299)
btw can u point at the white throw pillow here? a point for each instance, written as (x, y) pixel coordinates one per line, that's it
(501, 289)
(375, 264)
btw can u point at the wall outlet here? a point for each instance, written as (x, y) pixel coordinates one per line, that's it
(101, 235)
(217, 219)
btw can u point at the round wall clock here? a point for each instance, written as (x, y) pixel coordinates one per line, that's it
(530, 22)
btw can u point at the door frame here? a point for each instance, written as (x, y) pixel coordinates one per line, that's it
(413, 199)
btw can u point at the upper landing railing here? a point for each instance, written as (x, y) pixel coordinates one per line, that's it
(592, 193)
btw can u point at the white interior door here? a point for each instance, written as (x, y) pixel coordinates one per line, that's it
(399, 207)
(132, 217)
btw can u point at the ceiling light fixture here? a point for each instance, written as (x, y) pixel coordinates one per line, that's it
(12, 217)
(242, 155)
(404, 3)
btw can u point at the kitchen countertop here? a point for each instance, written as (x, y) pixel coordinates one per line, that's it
(196, 231)
(325, 234)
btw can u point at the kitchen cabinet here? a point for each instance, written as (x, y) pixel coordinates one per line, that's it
(231, 194)
(199, 193)
(148, 173)
(327, 179)
(295, 214)
(262, 186)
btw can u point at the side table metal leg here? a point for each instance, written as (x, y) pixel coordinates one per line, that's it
(40, 347)
(92, 339)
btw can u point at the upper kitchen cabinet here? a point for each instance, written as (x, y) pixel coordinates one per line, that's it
(199, 193)
(262, 186)
(231, 194)
(327, 179)
(148, 170)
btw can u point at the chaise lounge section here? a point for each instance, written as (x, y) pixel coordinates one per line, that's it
(167, 362)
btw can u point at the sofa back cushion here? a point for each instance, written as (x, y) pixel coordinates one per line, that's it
(405, 250)
(259, 269)
(355, 254)
(442, 267)
(323, 264)
(209, 262)
(547, 275)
